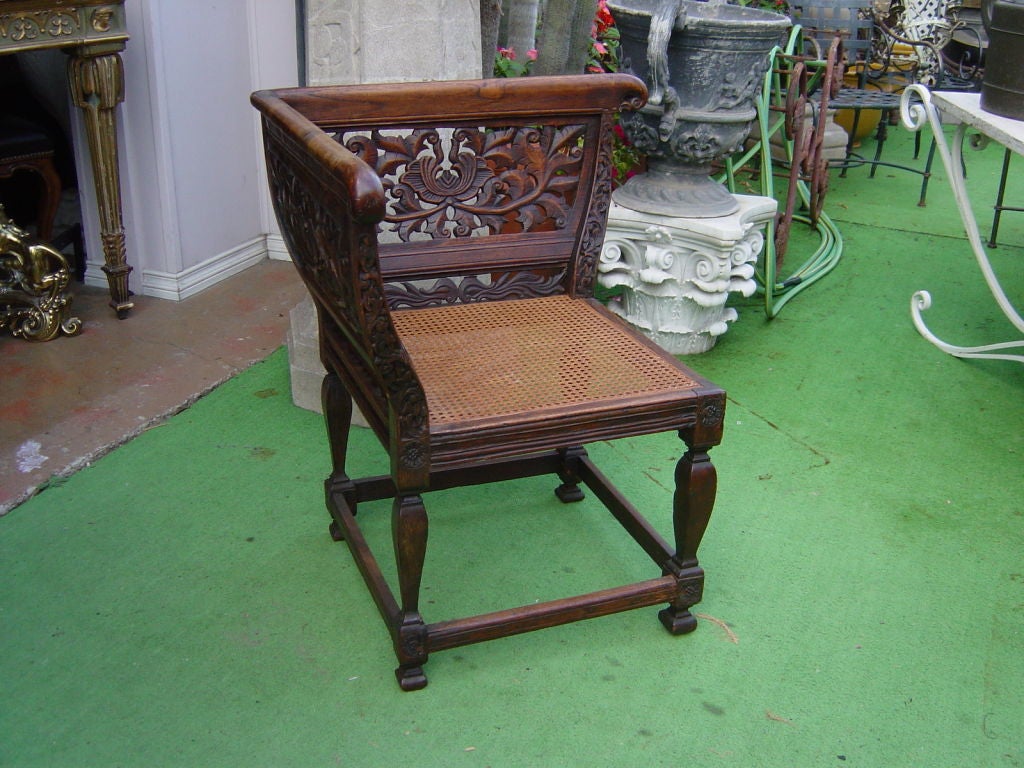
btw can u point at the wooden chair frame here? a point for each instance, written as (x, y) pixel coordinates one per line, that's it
(494, 231)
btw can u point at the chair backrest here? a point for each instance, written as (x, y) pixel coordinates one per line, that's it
(419, 194)
(823, 18)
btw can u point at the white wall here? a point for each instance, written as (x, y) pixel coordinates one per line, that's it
(193, 187)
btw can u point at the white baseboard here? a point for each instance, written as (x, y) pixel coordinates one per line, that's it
(276, 249)
(181, 285)
(165, 285)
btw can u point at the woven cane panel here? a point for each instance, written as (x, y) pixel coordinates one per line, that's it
(506, 357)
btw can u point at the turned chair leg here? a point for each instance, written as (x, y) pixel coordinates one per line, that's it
(337, 407)
(569, 491)
(409, 532)
(694, 498)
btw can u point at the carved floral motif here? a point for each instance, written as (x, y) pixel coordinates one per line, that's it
(509, 285)
(474, 181)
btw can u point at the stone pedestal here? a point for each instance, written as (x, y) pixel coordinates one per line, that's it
(678, 272)
(307, 372)
(835, 140)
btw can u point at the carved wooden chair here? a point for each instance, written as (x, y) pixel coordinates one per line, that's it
(448, 233)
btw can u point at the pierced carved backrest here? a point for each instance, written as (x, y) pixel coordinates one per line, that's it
(493, 189)
(518, 185)
(418, 194)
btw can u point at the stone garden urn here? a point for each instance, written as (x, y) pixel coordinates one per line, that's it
(704, 64)
(678, 243)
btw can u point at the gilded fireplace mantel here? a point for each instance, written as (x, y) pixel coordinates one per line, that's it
(93, 34)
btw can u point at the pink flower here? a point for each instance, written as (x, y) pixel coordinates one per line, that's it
(507, 53)
(532, 54)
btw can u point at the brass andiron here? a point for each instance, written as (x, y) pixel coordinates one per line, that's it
(34, 277)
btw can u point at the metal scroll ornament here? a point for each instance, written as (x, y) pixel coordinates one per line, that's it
(704, 64)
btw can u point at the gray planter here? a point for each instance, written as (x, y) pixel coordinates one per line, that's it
(704, 63)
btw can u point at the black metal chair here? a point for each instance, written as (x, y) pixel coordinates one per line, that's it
(882, 62)
(998, 208)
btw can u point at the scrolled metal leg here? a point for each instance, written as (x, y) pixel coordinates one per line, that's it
(915, 116)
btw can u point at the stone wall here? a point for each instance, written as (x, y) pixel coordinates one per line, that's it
(367, 41)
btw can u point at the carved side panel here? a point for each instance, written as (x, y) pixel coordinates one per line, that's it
(597, 215)
(337, 259)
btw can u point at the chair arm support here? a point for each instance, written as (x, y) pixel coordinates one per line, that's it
(355, 178)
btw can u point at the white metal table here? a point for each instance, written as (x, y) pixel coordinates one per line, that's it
(920, 105)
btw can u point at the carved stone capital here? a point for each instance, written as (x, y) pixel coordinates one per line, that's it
(677, 273)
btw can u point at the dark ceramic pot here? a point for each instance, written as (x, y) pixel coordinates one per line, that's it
(1002, 89)
(704, 64)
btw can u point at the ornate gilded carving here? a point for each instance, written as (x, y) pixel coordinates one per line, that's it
(92, 32)
(29, 26)
(102, 19)
(474, 181)
(33, 286)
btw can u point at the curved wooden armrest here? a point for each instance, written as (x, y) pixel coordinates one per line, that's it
(363, 186)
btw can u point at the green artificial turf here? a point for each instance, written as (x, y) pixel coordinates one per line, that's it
(180, 603)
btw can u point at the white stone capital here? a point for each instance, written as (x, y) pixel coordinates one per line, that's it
(677, 272)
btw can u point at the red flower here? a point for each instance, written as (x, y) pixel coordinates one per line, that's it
(604, 17)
